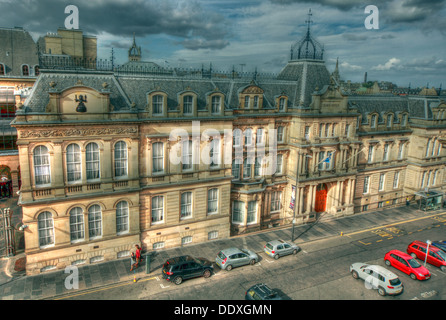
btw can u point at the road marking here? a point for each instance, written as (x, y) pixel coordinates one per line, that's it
(103, 289)
(394, 224)
(164, 287)
(366, 244)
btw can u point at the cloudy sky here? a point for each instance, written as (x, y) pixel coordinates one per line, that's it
(408, 47)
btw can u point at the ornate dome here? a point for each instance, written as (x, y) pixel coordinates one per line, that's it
(308, 47)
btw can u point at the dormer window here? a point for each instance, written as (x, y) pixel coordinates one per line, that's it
(404, 120)
(157, 103)
(247, 102)
(36, 71)
(2, 69)
(373, 121)
(256, 102)
(25, 70)
(389, 121)
(188, 105)
(282, 102)
(216, 104)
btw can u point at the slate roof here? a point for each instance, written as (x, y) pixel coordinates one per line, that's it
(17, 48)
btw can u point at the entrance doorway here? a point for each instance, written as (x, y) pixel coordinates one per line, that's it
(321, 198)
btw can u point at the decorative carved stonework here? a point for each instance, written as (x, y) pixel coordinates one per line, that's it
(76, 132)
(253, 90)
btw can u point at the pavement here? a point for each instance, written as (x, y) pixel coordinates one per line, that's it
(17, 286)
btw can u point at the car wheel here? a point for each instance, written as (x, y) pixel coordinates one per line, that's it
(295, 251)
(443, 268)
(388, 263)
(228, 268)
(178, 280)
(413, 255)
(207, 273)
(355, 274)
(276, 256)
(252, 262)
(381, 291)
(413, 276)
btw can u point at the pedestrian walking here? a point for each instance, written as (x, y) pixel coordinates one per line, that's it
(407, 201)
(139, 257)
(133, 262)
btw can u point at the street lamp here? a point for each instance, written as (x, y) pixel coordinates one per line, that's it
(427, 251)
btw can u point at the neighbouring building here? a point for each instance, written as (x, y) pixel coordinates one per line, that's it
(166, 159)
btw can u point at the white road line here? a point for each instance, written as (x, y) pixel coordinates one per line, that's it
(164, 287)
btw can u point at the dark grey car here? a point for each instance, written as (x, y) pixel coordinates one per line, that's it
(279, 248)
(234, 257)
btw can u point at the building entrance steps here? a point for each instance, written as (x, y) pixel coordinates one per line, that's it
(101, 275)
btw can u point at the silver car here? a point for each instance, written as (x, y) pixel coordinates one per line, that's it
(279, 248)
(234, 257)
(377, 277)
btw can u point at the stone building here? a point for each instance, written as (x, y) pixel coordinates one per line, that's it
(165, 159)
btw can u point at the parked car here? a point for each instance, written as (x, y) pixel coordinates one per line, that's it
(440, 244)
(233, 257)
(405, 263)
(436, 257)
(261, 291)
(186, 267)
(279, 248)
(377, 277)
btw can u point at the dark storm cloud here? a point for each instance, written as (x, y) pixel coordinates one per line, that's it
(186, 19)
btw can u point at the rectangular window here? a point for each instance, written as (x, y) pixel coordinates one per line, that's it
(157, 209)
(186, 205)
(279, 167)
(282, 104)
(366, 184)
(373, 121)
(400, 151)
(252, 212)
(307, 133)
(370, 156)
(389, 121)
(259, 136)
(216, 104)
(380, 204)
(276, 198)
(187, 105)
(215, 153)
(237, 137)
(158, 157)
(396, 179)
(246, 102)
(158, 102)
(423, 179)
(256, 102)
(186, 240)
(236, 169)
(258, 167)
(238, 211)
(187, 155)
(280, 131)
(365, 207)
(382, 178)
(247, 168)
(386, 152)
(347, 129)
(213, 201)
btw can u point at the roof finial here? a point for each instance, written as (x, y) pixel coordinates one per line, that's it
(309, 21)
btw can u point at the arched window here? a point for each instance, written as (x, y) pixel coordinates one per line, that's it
(77, 224)
(74, 164)
(158, 157)
(45, 226)
(95, 221)
(93, 161)
(41, 158)
(122, 217)
(36, 71)
(25, 70)
(373, 121)
(121, 159)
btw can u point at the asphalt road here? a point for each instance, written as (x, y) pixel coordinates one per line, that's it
(319, 272)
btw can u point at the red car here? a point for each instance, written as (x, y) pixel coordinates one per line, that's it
(436, 257)
(405, 263)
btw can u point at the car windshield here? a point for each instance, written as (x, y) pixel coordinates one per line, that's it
(414, 264)
(221, 255)
(269, 246)
(395, 282)
(442, 254)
